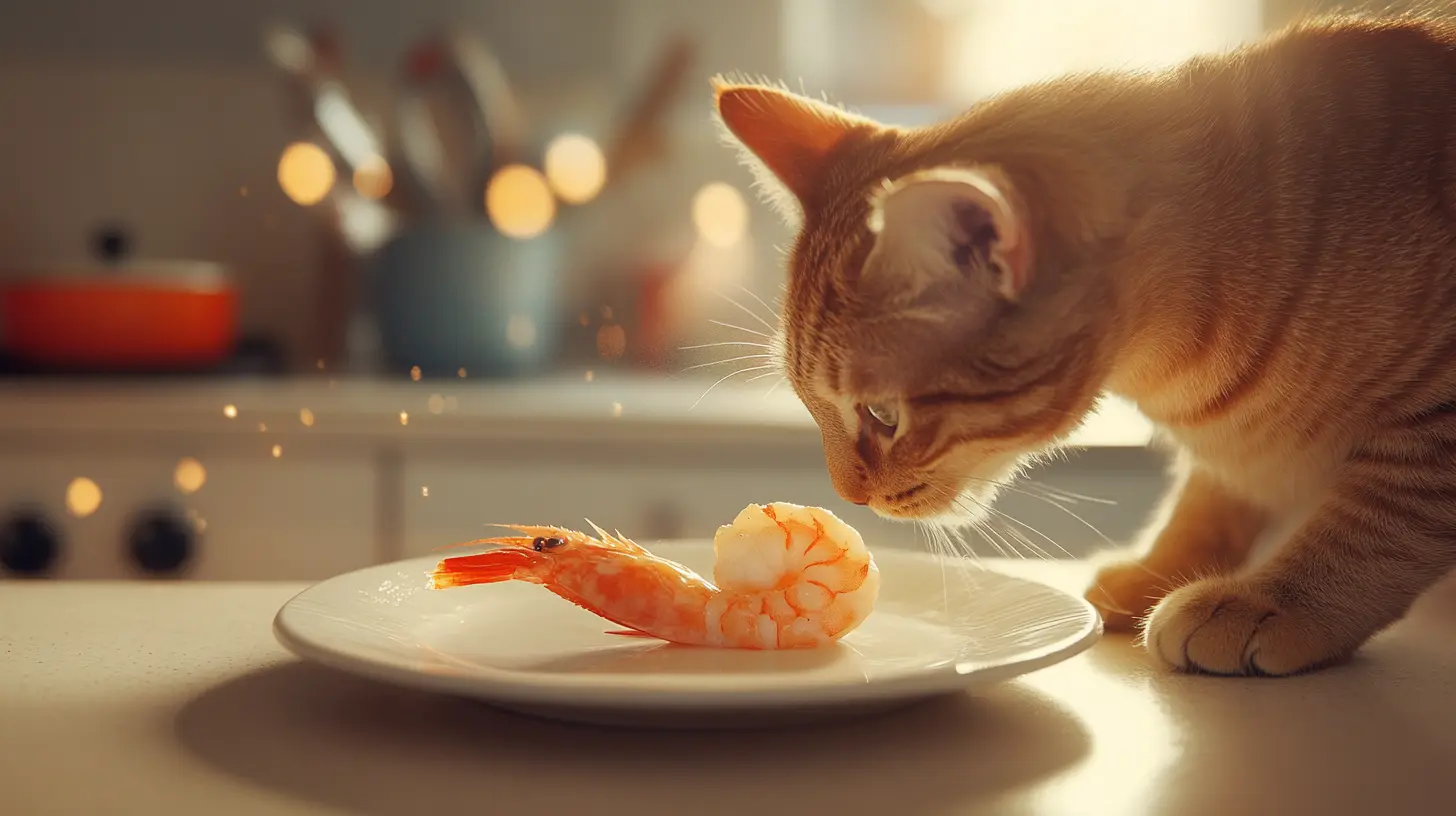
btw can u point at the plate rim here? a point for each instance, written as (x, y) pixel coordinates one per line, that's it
(499, 686)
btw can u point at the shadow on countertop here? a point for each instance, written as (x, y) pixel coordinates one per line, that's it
(365, 747)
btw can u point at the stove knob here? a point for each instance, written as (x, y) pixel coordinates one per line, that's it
(161, 543)
(29, 545)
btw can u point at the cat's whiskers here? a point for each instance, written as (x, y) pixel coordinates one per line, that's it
(764, 346)
(742, 329)
(1054, 492)
(1014, 520)
(1024, 539)
(746, 310)
(958, 524)
(730, 360)
(725, 378)
(996, 537)
(935, 547)
(772, 312)
(988, 532)
(1047, 500)
(1032, 488)
(978, 515)
(1012, 537)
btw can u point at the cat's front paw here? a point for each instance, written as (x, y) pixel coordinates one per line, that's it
(1124, 592)
(1231, 626)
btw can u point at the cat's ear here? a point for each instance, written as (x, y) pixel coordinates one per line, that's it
(785, 138)
(946, 225)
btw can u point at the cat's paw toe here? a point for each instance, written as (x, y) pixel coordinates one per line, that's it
(1232, 627)
(1123, 593)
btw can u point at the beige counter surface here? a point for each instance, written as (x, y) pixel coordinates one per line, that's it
(174, 698)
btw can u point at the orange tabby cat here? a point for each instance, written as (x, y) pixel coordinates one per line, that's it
(1258, 249)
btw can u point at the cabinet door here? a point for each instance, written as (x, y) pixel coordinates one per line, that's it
(252, 517)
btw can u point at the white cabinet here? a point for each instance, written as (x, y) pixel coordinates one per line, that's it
(306, 521)
(254, 517)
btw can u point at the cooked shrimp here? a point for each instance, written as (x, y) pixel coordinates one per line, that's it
(785, 577)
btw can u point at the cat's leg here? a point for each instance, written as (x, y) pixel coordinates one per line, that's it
(1204, 530)
(1385, 534)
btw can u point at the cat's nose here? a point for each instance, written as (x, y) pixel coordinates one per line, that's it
(860, 500)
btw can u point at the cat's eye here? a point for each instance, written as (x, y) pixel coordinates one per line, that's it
(886, 415)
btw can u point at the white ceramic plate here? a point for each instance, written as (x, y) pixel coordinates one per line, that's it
(940, 626)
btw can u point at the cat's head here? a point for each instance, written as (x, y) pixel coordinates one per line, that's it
(930, 326)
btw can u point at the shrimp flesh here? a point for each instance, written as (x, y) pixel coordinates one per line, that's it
(784, 577)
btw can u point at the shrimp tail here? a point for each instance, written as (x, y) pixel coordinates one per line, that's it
(485, 568)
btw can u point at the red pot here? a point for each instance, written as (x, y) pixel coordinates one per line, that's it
(136, 316)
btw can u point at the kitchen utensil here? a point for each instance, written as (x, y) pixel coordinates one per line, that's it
(134, 316)
(941, 626)
(311, 60)
(355, 224)
(479, 93)
(640, 138)
(450, 295)
(493, 100)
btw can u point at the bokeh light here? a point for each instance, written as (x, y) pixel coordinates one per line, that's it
(519, 202)
(373, 179)
(521, 331)
(306, 173)
(83, 497)
(190, 476)
(575, 168)
(720, 214)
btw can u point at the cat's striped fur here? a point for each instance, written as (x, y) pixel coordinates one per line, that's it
(1257, 248)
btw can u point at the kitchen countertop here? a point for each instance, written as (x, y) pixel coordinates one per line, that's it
(153, 698)
(608, 404)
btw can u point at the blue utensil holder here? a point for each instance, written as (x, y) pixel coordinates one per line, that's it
(460, 295)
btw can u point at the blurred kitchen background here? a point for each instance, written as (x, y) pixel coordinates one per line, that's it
(288, 287)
